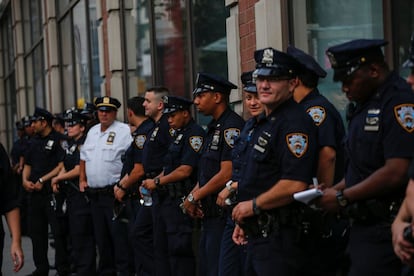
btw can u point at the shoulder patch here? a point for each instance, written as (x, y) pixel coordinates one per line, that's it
(317, 113)
(404, 113)
(196, 142)
(230, 135)
(140, 140)
(297, 143)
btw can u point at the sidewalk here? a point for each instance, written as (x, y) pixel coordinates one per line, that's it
(28, 267)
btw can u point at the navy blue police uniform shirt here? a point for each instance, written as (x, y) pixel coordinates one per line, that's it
(133, 154)
(72, 156)
(380, 129)
(239, 152)
(156, 146)
(185, 149)
(283, 146)
(219, 143)
(8, 191)
(44, 155)
(331, 130)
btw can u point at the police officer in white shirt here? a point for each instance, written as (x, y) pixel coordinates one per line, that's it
(100, 168)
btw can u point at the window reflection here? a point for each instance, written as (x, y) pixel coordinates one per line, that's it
(320, 24)
(66, 40)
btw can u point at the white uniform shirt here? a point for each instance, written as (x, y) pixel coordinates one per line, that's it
(102, 152)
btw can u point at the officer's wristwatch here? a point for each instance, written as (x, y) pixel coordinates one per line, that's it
(256, 209)
(342, 201)
(40, 180)
(190, 198)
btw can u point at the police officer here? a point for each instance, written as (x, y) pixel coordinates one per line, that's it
(9, 206)
(78, 225)
(172, 228)
(211, 97)
(43, 161)
(126, 191)
(232, 256)
(281, 162)
(155, 148)
(378, 149)
(100, 168)
(329, 239)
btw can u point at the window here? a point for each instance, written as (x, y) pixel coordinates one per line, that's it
(320, 24)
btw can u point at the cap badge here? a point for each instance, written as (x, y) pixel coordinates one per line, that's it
(106, 100)
(332, 59)
(267, 56)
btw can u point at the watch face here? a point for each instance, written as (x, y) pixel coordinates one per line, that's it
(190, 198)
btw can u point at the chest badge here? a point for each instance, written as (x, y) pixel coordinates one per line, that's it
(178, 139)
(230, 136)
(404, 113)
(317, 113)
(216, 140)
(154, 134)
(196, 142)
(297, 143)
(111, 138)
(49, 144)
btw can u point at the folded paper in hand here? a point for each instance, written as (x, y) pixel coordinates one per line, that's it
(307, 195)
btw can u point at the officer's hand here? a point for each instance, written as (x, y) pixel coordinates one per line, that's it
(82, 185)
(37, 186)
(193, 209)
(242, 210)
(17, 256)
(238, 236)
(28, 186)
(222, 196)
(55, 184)
(328, 201)
(119, 193)
(149, 184)
(402, 248)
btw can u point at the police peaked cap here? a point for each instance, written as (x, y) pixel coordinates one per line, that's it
(174, 103)
(207, 82)
(107, 103)
(248, 84)
(42, 114)
(273, 63)
(75, 116)
(27, 121)
(308, 62)
(409, 63)
(348, 57)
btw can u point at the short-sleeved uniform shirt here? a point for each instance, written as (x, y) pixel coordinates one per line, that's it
(185, 149)
(72, 156)
(156, 146)
(239, 152)
(219, 142)
(43, 155)
(102, 153)
(380, 129)
(331, 130)
(283, 146)
(133, 154)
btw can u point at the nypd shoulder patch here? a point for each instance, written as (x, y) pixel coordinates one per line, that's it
(139, 141)
(297, 143)
(196, 142)
(404, 113)
(317, 113)
(230, 136)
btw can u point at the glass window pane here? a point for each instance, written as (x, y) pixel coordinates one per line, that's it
(171, 52)
(29, 84)
(66, 41)
(27, 28)
(80, 51)
(93, 33)
(141, 15)
(39, 76)
(328, 23)
(36, 20)
(403, 22)
(61, 5)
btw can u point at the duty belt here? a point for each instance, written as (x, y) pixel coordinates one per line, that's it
(175, 190)
(107, 190)
(373, 211)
